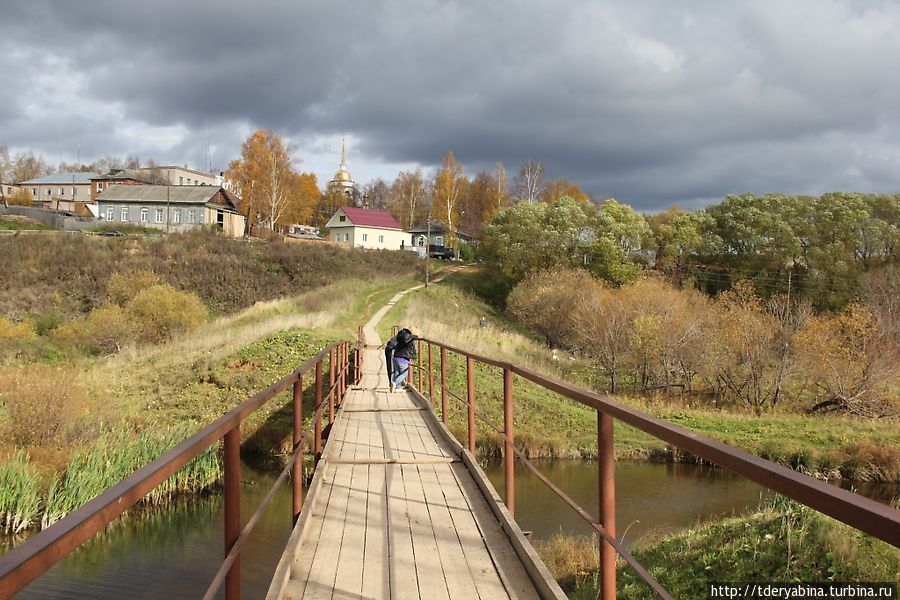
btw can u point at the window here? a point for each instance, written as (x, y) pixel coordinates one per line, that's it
(49, 192)
(421, 241)
(192, 216)
(181, 181)
(110, 213)
(62, 191)
(200, 219)
(346, 237)
(123, 216)
(159, 215)
(365, 237)
(439, 240)
(380, 239)
(342, 218)
(145, 214)
(99, 186)
(177, 216)
(34, 191)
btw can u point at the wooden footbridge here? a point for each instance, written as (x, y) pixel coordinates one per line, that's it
(397, 507)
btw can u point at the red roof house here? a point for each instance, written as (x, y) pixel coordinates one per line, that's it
(365, 228)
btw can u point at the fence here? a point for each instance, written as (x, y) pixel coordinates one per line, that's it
(871, 517)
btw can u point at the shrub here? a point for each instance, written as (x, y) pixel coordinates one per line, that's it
(44, 407)
(105, 330)
(123, 287)
(161, 311)
(13, 332)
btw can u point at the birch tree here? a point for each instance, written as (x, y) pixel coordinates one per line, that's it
(529, 183)
(263, 178)
(449, 183)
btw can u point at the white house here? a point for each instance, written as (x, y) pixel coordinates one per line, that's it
(365, 228)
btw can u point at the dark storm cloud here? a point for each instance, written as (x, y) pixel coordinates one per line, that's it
(653, 102)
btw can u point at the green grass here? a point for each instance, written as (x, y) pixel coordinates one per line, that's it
(20, 497)
(9, 225)
(782, 541)
(548, 425)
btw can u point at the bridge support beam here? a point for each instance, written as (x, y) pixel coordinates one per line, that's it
(606, 470)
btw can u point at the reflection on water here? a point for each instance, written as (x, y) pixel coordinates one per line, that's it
(650, 497)
(175, 552)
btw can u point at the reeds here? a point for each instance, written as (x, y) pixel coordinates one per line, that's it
(117, 456)
(20, 497)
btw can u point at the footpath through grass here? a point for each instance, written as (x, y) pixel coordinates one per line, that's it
(121, 411)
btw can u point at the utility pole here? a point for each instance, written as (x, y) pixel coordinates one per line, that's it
(168, 201)
(428, 250)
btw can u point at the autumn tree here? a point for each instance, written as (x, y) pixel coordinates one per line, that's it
(604, 329)
(544, 301)
(558, 188)
(748, 354)
(26, 165)
(482, 201)
(303, 198)
(528, 185)
(264, 179)
(852, 362)
(408, 198)
(448, 189)
(377, 194)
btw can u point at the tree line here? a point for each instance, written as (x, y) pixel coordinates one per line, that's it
(737, 348)
(816, 248)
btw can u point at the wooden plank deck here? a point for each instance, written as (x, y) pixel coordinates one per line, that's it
(394, 512)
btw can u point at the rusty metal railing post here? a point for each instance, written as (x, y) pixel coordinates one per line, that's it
(345, 371)
(509, 456)
(233, 509)
(470, 396)
(331, 379)
(419, 362)
(430, 377)
(606, 470)
(317, 416)
(297, 470)
(443, 385)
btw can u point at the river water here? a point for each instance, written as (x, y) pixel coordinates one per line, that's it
(175, 553)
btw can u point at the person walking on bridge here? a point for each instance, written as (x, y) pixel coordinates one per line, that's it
(398, 352)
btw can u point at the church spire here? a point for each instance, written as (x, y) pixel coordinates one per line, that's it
(343, 153)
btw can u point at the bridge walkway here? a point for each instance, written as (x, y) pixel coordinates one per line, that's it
(394, 511)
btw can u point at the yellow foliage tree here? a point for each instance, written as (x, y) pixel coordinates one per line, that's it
(264, 179)
(449, 185)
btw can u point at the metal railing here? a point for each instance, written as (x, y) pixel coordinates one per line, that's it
(24, 563)
(869, 516)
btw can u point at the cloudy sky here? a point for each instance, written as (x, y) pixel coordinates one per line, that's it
(653, 102)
